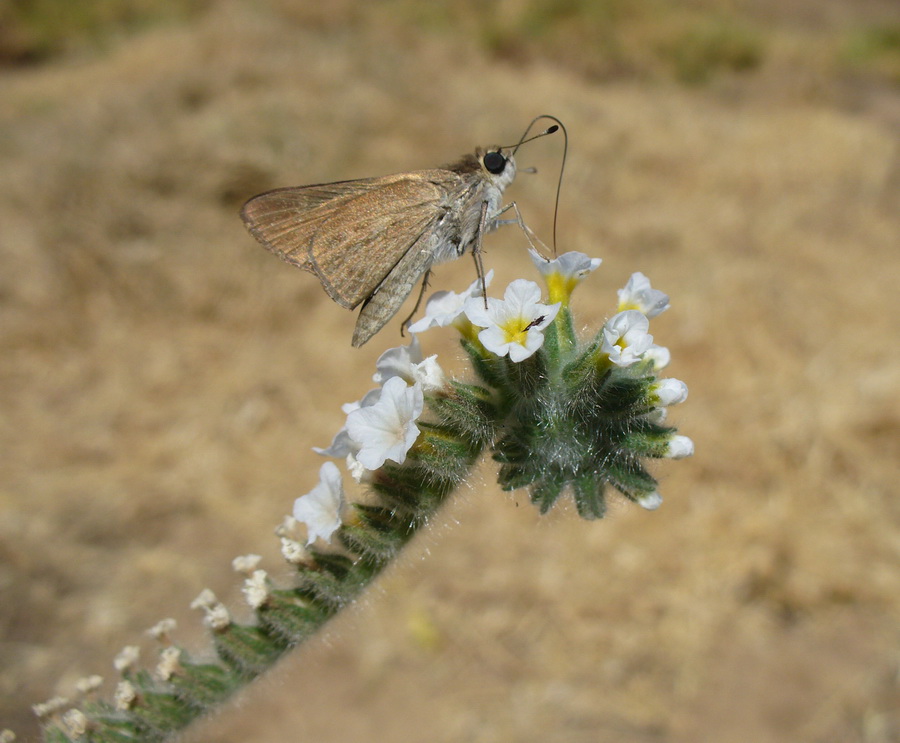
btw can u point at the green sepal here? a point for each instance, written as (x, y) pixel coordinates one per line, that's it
(203, 685)
(334, 580)
(161, 711)
(649, 439)
(248, 650)
(400, 489)
(559, 336)
(468, 410)
(626, 395)
(545, 493)
(290, 617)
(514, 448)
(628, 477)
(523, 379)
(54, 734)
(443, 456)
(551, 345)
(110, 725)
(590, 499)
(585, 371)
(515, 476)
(378, 535)
(486, 366)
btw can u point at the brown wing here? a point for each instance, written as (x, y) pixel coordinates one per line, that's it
(284, 220)
(383, 304)
(350, 234)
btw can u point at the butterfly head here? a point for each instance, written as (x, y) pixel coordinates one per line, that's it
(496, 166)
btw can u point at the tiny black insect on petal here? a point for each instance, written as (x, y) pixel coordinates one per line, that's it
(534, 323)
(494, 162)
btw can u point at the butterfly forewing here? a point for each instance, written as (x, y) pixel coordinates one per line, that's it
(284, 220)
(350, 234)
(356, 248)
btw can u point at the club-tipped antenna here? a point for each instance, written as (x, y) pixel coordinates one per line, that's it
(562, 167)
(514, 147)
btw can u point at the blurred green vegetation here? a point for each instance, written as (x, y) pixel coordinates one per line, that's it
(615, 38)
(33, 31)
(713, 46)
(691, 41)
(875, 49)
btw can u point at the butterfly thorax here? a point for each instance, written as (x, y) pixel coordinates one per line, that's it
(474, 190)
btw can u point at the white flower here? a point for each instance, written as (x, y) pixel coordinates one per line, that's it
(125, 696)
(398, 362)
(658, 415)
(88, 684)
(206, 599)
(245, 563)
(637, 294)
(342, 445)
(169, 663)
(625, 337)
(127, 658)
(75, 723)
(162, 629)
(387, 429)
(407, 363)
(563, 274)
(514, 324)
(444, 308)
(650, 501)
(320, 509)
(293, 551)
(669, 392)
(217, 617)
(659, 356)
(370, 398)
(256, 589)
(356, 469)
(680, 447)
(50, 707)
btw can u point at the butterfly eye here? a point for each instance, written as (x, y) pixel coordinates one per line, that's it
(494, 162)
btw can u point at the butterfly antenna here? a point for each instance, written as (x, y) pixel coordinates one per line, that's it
(562, 167)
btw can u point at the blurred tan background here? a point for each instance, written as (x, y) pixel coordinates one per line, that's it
(163, 378)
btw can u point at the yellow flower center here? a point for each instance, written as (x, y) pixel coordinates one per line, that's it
(560, 287)
(515, 330)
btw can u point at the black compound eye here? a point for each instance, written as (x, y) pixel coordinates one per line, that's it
(494, 162)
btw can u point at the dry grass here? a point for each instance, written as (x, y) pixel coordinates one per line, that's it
(163, 379)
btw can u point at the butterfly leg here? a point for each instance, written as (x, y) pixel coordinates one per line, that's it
(405, 324)
(529, 233)
(483, 225)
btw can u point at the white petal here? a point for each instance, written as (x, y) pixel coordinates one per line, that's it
(637, 294)
(650, 501)
(680, 447)
(321, 508)
(522, 294)
(444, 307)
(670, 391)
(387, 429)
(429, 374)
(398, 362)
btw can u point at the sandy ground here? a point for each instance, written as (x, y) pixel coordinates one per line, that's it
(162, 380)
